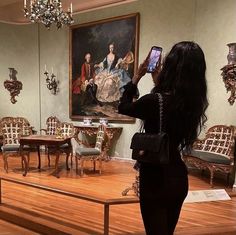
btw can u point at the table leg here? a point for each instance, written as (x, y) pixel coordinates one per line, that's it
(39, 157)
(24, 160)
(67, 160)
(56, 163)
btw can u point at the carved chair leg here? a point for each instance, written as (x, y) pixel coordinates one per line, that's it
(100, 166)
(134, 187)
(94, 165)
(67, 160)
(48, 157)
(71, 160)
(76, 164)
(211, 177)
(22, 163)
(125, 192)
(5, 162)
(25, 163)
(82, 166)
(28, 160)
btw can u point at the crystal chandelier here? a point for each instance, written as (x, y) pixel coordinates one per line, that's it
(48, 12)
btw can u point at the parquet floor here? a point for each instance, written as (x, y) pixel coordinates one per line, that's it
(50, 213)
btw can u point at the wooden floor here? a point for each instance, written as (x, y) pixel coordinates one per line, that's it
(35, 210)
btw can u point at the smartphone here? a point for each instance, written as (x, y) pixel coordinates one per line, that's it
(154, 58)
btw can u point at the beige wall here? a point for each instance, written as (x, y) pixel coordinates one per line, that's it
(162, 23)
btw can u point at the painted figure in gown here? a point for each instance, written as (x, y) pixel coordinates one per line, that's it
(111, 75)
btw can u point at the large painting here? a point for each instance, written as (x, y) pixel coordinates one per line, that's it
(103, 58)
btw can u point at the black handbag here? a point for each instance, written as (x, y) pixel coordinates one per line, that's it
(151, 148)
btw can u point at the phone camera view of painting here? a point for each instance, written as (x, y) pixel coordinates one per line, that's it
(99, 83)
(154, 57)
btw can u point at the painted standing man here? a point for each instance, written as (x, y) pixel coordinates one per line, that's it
(87, 72)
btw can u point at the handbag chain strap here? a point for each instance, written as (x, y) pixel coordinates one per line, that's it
(160, 98)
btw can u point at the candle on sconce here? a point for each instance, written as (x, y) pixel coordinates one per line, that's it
(52, 69)
(24, 3)
(71, 7)
(45, 67)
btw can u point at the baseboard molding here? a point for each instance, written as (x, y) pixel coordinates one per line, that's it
(120, 159)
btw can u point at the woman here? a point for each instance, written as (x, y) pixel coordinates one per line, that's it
(182, 84)
(110, 77)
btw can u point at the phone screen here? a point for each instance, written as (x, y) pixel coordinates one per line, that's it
(154, 59)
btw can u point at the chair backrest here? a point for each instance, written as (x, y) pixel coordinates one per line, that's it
(66, 129)
(52, 123)
(11, 132)
(26, 128)
(219, 139)
(101, 134)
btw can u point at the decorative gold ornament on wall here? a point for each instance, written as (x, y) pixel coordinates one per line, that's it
(51, 81)
(229, 73)
(13, 85)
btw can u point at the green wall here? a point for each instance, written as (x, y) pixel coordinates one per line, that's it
(19, 50)
(162, 23)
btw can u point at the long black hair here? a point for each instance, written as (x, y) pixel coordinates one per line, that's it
(183, 76)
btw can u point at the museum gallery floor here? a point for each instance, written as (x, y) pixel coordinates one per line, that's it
(45, 212)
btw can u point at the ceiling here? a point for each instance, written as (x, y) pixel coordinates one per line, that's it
(11, 11)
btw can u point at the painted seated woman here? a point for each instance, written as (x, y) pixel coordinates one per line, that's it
(111, 76)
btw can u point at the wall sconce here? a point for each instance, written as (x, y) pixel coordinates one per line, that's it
(52, 83)
(13, 85)
(229, 73)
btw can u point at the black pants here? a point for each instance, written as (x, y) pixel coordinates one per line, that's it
(161, 197)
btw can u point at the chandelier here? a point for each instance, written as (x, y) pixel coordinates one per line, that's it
(48, 12)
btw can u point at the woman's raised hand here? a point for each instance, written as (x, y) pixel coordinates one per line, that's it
(157, 71)
(142, 70)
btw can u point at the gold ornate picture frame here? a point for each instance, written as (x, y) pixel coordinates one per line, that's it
(103, 58)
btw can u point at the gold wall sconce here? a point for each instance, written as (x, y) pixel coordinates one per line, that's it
(13, 85)
(229, 73)
(52, 82)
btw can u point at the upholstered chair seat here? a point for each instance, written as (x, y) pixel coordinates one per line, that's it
(87, 151)
(14, 147)
(211, 157)
(10, 147)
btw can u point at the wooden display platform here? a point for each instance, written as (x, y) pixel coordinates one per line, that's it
(46, 212)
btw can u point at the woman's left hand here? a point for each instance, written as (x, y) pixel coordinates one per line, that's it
(157, 71)
(142, 70)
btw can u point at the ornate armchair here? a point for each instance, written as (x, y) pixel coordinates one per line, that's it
(215, 152)
(63, 129)
(11, 132)
(94, 154)
(27, 129)
(51, 126)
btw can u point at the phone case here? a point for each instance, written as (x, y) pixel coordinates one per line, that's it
(154, 58)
